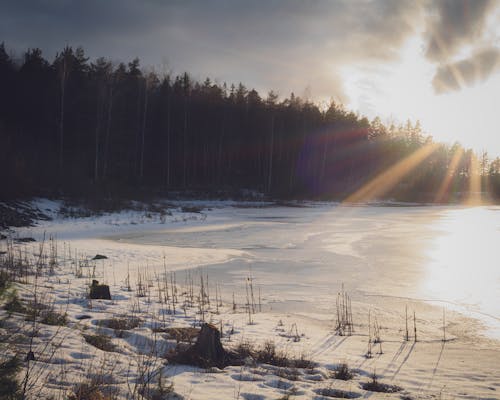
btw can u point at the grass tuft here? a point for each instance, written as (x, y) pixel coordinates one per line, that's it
(100, 341)
(375, 386)
(343, 372)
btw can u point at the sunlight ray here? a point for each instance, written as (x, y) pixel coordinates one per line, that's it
(457, 75)
(443, 192)
(385, 181)
(474, 195)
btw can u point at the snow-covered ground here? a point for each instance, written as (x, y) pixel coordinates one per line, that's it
(434, 261)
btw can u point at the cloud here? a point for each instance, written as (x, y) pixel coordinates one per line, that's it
(280, 45)
(277, 45)
(456, 26)
(467, 72)
(453, 24)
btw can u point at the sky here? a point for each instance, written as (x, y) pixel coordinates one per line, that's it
(436, 61)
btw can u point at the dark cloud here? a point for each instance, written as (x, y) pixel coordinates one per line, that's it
(284, 45)
(457, 75)
(455, 23)
(281, 45)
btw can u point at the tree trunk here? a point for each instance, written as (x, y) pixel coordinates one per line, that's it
(61, 118)
(97, 129)
(108, 131)
(269, 178)
(143, 129)
(184, 166)
(168, 141)
(219, 158)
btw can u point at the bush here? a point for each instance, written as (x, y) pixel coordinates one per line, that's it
(4, 282)
(51, 317)
(89, 391)
(343, 372)
(122, 323)
(14, 304)
(268, 354)
(182, 334)
(191, 209)
(336, 393)
(375, 386)
(244, 350)
(9, 384)
(161, 392)
(102, 342)
(44, 314)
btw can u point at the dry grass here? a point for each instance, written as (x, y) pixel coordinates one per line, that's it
(375, 386)
(90, 391)
(122, 323)
(14, 305)
(100, 341)
(51, 317)
(268, 354)
(337, 393)
(343, 372)
(184, 335)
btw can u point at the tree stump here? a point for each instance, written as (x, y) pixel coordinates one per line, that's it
(208, 347)
(205, 353)
(99, 291)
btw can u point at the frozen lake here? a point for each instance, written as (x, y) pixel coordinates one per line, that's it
(301, 256)
(436, 261)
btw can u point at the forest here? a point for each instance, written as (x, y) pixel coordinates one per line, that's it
(79, 127)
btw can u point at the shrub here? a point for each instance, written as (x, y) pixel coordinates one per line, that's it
(268, 354)
(244, 350)
(343, 372)
(44, 314)
(51, 317)
(182, 334)
(337, 393)
(161, 392)
(191, 209)
(4, 282)
(375, 386)
(102, 342)
(9, 384)
(14, 304)
(89, 391)
(122, 323)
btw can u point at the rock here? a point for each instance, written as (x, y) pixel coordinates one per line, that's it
(99, 291)
(83, 316)
(99, 257)
(25, 240)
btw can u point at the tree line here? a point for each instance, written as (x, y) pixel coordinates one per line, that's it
(78, 127)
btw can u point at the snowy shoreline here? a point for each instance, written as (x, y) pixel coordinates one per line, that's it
(128, 240)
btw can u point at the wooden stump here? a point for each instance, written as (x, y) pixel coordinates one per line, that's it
(208, 346)
(206, 352)
(99, 291)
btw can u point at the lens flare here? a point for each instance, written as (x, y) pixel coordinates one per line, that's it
(444, 189)
(388, 179)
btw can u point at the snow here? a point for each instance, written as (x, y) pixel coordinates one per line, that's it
(387, 258)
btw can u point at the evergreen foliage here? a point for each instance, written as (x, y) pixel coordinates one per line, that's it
(79, 127)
